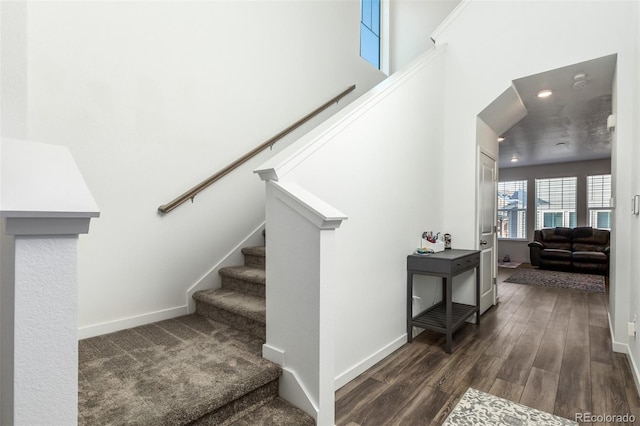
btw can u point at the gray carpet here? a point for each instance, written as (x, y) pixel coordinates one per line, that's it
(171, 373)
(560, 279)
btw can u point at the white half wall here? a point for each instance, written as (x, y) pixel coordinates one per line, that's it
(151, 98)
(380, 162)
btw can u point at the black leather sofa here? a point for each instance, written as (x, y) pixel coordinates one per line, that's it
(582, 249)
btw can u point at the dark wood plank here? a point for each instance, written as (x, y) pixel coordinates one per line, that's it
(421, 360)
(600, 345)
(422, 408)
(598, 310)
(506, 390)
(561, 310)
(458, 366)
(608, 392)
(506, 339)
(481, 375)
(352, 405)
(626, 376)
(540, 390)
(517, 366)
(551, 349)
(390, 404)
(574, 385)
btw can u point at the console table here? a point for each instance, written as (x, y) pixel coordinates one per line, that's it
(446, 316)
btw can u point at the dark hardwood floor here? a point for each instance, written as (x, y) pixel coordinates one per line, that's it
(546, 348)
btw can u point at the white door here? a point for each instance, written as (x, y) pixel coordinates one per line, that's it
(487, 219)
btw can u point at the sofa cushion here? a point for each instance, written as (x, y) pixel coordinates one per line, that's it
(552, 240)
(564, 232)
(597, 241)
(582, 232)
(590, 257)
(556, 254)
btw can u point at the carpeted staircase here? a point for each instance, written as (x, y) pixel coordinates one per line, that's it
(199, 369)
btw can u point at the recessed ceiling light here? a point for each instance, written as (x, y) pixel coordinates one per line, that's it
(514, 160)
(545, 93)
(500, 139)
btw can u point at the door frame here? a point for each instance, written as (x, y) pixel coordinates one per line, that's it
(494, 261)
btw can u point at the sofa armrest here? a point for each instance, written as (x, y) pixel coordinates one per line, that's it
(606, 250)
(534, 252)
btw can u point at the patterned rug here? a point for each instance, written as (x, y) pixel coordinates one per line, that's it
(570, 280)
(479, 408)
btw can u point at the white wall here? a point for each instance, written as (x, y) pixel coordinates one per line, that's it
(410, 27)
(381, 167)
(152, 97)
(490, 44)
(518, 250)
(634, 230)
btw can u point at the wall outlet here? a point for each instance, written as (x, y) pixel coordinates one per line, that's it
(631, 328)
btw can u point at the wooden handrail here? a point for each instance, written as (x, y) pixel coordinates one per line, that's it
(190, 194)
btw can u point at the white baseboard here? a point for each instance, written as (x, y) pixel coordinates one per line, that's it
(130, 322)
(634, 370)
(624, 348)
(211, 279)
(272, 354)
(294, 392)
(345, 377)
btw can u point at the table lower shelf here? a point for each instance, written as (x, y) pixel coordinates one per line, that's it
(435, 318)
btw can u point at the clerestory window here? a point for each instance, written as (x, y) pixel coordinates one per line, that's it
(370, 31)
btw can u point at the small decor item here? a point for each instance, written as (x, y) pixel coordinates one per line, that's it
(447, 241)
(430, 242)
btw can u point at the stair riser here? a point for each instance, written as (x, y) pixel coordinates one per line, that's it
(243, 286)
(233, 411)
(234, 320)
(255, 261)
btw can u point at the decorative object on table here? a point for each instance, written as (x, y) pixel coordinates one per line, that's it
(560, 279)
(479, 408)
(447, 241)
(430, 241)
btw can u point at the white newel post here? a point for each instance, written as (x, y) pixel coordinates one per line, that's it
(44, 205)
(301, 296)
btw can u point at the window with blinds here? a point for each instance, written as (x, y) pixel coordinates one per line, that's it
(599, 201)
(512, 209)
(556, 202)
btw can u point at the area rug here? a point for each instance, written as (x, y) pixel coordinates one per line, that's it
(479, 408)
(569, 280)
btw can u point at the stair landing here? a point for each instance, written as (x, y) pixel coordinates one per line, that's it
(173, 372)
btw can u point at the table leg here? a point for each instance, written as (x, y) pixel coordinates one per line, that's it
(446, 281)
(478, 294)
(409, 306)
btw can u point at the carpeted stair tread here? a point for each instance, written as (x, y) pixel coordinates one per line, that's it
(255, 256)
(170, 373)
(276, 412)
(258, 251)
(246, 305)
(245, 273)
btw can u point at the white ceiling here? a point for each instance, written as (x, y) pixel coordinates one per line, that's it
(570, 125)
